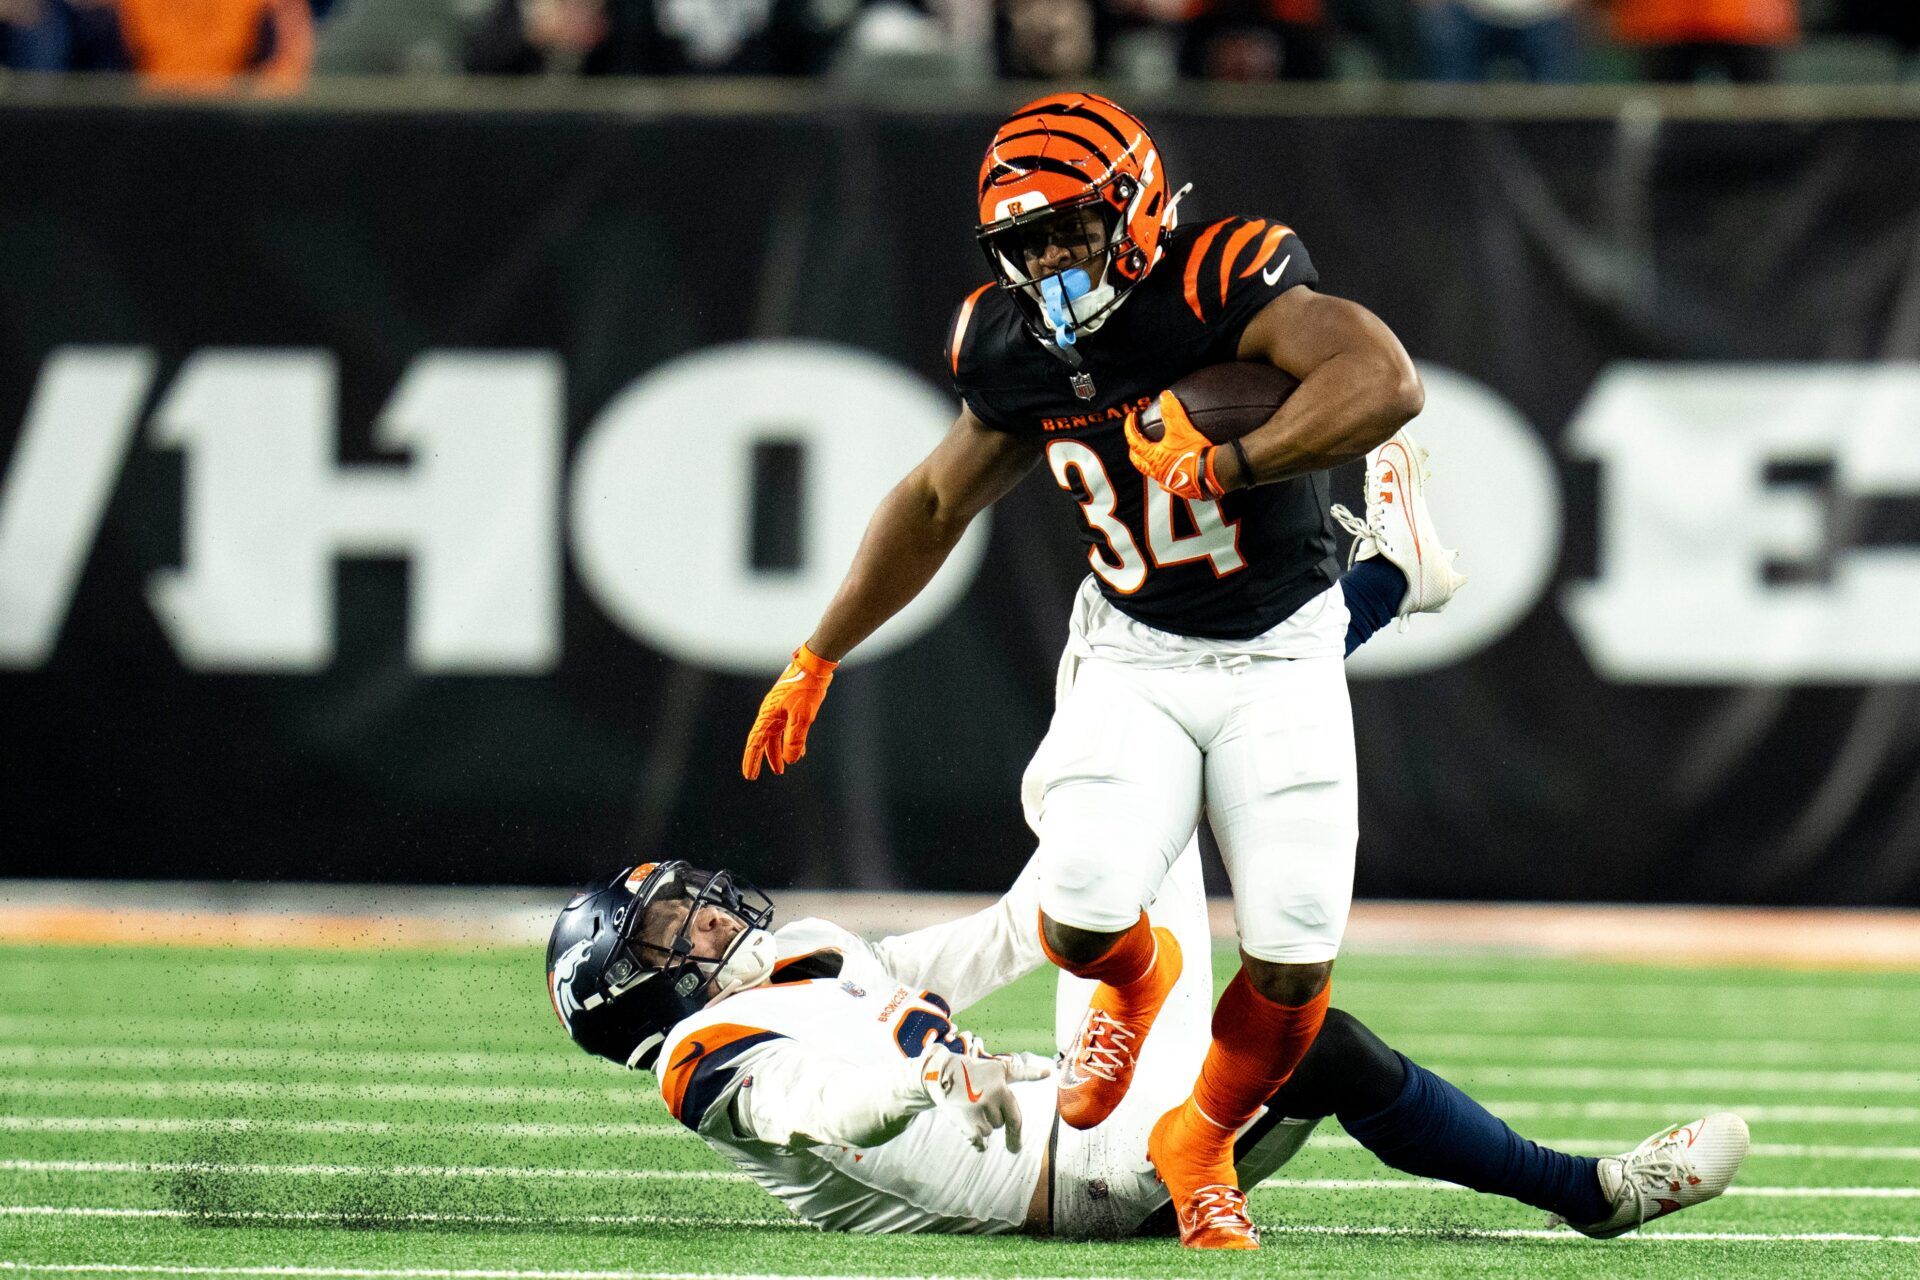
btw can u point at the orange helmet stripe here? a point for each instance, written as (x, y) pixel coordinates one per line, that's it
(1200, 248)
(1275, 235)
(1235, 243)
(960, 327)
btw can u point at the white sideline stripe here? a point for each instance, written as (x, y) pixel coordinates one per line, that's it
(465, 1128)
(717, 1175)
(456, 1219)
(358, 1170)
(1618, 1079)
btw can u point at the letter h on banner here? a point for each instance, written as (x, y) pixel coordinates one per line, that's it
(269, 510)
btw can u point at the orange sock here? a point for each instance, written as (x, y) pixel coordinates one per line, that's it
(1125, 966)
(1256, 1046)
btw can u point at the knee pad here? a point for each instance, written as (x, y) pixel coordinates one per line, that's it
(1084, 884)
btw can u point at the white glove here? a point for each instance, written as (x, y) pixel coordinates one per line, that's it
(973, 1093)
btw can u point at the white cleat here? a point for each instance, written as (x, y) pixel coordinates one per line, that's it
(1675, 1169)
(1398, 527)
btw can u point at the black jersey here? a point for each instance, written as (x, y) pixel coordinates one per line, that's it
(1228, 569)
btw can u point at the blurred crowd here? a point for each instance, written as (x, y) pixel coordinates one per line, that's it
(276, 45)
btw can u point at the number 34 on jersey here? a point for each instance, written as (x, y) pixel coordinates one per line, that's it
(1121, 563)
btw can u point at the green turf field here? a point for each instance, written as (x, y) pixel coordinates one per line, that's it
(356, 1114)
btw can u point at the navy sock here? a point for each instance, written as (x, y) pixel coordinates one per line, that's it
(1436, 1131)
(1374, 590)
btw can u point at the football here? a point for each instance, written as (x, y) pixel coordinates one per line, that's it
(1226, 401)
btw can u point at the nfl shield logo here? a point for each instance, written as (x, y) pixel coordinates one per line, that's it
(855, 991)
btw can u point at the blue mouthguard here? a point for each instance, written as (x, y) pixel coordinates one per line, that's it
(1056, 292)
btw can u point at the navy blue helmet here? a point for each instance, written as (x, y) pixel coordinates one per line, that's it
(618, 994)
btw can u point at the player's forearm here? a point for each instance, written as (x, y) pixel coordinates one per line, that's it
(908, 539)
(797, 1098)
(968, 959)
(1346, 406)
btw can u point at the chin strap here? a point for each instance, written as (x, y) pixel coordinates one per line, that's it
(750, 965)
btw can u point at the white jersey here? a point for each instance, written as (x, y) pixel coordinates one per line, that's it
(810, 1084)
(753, 1075)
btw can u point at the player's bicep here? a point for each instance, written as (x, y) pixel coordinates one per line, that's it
(1301, 330)
(971, 468)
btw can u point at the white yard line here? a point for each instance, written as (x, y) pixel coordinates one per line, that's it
(1274, 1185)
(1783, 1113)
(640, 1097)
(637, 1094)
(149, 1167)
(483, 1129)
(1860, 993)
(1574, 1237)
(402, 1219)
(363, 1170)
(84, 1030)
(1625, 1079)
(244, 1124)
(1608, 1147)
(475, 1273)
(1500, 1046)
(355, 1061)
(1619, 1079)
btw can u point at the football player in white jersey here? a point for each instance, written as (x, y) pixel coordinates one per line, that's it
(830, 1070)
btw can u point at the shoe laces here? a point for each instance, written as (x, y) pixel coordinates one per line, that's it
(1105, 1047)
(1219, 1207)
(1659, 1172)
(1358, 529)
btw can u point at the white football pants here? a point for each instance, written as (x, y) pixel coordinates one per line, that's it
(1134, 752)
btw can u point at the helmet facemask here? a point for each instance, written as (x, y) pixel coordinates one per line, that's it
(658, 934)
(1062, 298)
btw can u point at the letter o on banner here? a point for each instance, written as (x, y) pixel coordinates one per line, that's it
(662, 501)
(1496, 500)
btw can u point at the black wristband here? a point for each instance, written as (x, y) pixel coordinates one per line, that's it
(1246, 468)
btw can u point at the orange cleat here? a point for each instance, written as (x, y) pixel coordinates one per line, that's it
(1194, 1157)
(1099, 1066)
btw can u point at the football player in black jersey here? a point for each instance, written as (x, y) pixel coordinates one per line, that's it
(1204, 659)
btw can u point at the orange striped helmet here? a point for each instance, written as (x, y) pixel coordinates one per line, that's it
(1051, 159)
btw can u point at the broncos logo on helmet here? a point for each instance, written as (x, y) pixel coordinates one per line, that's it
(1073, 169)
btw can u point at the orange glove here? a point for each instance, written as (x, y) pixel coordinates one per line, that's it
(786, 713)
(1181, 460)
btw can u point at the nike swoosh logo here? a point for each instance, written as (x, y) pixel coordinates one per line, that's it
(968, 1077)
(792, 679)
(1272, 276)
(694, 1050)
